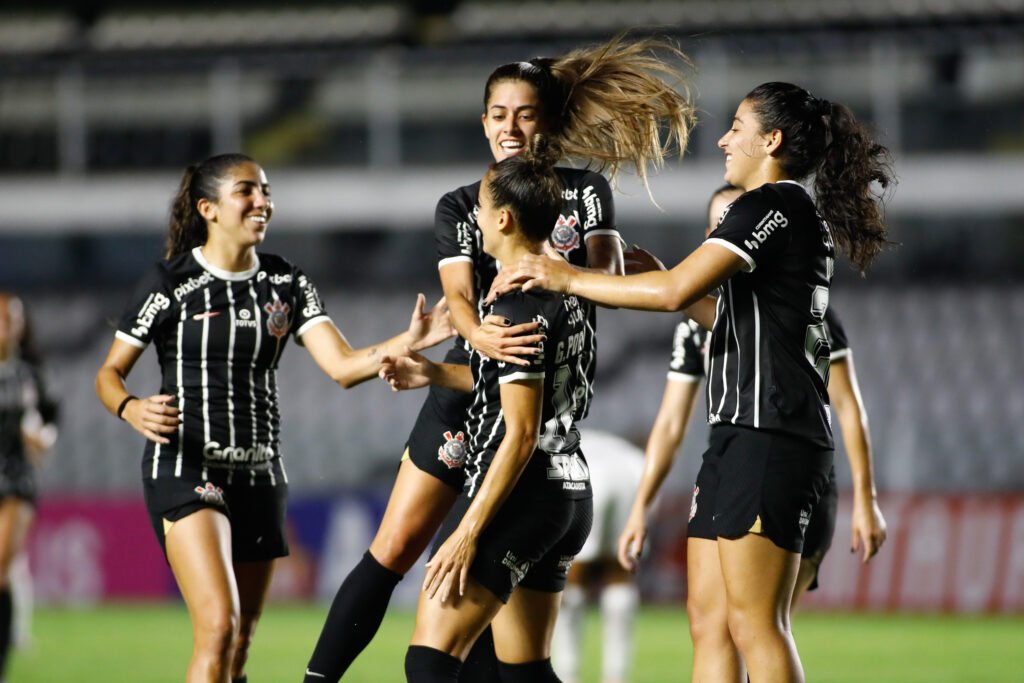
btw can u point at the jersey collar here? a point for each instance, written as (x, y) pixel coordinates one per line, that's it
(197, 253)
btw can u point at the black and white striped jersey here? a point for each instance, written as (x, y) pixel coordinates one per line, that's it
(689, 346)
(769, 355)
(557, 467)
(218, 337)
(23, 396)
(587, 210)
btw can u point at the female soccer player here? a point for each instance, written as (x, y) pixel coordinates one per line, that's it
(527, 479)
(707, 608)
(220, 315)
(605, 104)
(772, 256)
(27, 429)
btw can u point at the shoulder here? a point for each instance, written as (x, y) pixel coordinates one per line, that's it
(464, 197)
(581, 178)
(275, 263)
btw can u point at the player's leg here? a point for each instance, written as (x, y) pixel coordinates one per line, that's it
(418, 504)
(16, 517)
(522, 636)
(567, 642)
(619, 601)
(445, 632)
(199, 552)
(253, 579)
(817, 540)
(759, 579)
(715, 656)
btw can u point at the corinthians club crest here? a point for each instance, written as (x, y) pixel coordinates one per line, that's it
(211, 494)
(564, 236)
(453, 452)
(277, 318)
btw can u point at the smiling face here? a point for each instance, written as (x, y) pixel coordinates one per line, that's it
(513, 115)
(243, 208)
(746, 148)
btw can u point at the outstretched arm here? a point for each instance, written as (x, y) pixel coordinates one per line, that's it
(667, 434)
(349, 367)
(413, 371)
(868, 526)
(678, 289)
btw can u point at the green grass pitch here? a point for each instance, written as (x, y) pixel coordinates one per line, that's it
(150, 643)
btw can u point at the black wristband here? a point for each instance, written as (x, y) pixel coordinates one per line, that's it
(120, 408)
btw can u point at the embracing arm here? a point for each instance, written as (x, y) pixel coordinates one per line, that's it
(868, 525)
(674, 290)
(349, 367)
(677, 404)
(152, 417)
(521, 406)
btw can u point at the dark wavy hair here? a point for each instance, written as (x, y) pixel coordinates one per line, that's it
(529, 187)
(621, 102)
(201, 181)
(824, 139)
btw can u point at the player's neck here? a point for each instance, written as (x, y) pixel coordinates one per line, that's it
(513, 248)
(233, 258)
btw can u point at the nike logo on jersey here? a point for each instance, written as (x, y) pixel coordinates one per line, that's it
(208, 314)
(313, 673)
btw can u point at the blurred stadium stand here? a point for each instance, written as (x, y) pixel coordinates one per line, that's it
(365, 113)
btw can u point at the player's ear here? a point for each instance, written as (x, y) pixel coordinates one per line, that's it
(207, 209)
(506, 221)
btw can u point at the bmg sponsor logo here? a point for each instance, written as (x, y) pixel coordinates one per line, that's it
(151, 307)
(772, 221)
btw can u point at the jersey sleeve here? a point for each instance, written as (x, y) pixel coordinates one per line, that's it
(516, 309)
(309, 306)
(755, 228)
(597, 207)
(148, 309)
(453, 234)
(836, 335)
(687, 364)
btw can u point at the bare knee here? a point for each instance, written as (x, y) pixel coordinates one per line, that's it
(709, 622)
(215, 631)
(397, 547)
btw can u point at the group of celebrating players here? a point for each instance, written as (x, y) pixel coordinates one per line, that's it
(494, 467)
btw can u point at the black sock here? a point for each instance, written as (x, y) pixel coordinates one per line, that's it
(243, 679)
(353, 619)
(481, 665)
(427, 665)
(530, 672)
(6, 617)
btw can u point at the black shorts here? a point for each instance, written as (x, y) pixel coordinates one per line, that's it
(257, 513)
(18, 479)
(531, 542)
(756, 481)
(438, 444)
(818, 538)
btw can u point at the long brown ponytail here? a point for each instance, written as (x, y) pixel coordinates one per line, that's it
(825, 139)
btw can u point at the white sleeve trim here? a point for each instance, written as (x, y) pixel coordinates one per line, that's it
(604, 231)
(683, 377)
(461, 258)
(839, 354)
(736, 250)
(520, 375)
(130, 340)
(311, 322)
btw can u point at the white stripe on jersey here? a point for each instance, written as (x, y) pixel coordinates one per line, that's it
(180, 363)
(453, 259)
(757, 365)
(725, 360)
(231, 358)
(252, 365)
(204, 368)
(736, 338)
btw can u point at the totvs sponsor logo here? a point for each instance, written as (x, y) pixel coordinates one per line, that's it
(154, 303)
(764, 229)
(213, 453)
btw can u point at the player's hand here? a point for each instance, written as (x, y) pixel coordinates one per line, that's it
(534, 272)
(868, 528)
(631, 540)
(497, 339)
(152, 416)
(432, 327)
(411, 371)
(638, 260)
(448, 569)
